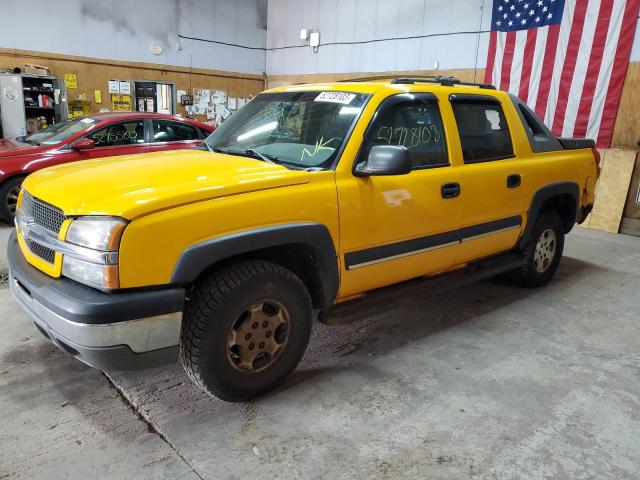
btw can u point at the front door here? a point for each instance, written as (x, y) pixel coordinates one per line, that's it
(399, 227)
(146, 97)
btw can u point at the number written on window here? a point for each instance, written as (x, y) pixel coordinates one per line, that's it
(126, 133)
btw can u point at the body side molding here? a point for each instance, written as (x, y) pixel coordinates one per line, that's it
(543, 194)
(197, 258)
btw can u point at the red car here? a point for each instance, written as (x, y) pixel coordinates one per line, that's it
(92, 136)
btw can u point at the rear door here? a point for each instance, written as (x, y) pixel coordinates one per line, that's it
(117, 138)
(172, 135)
(491, 190)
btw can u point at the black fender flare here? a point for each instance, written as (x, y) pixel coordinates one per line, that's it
(197, 258)
(542, 195)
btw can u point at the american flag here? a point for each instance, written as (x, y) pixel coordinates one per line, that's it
(566, 58)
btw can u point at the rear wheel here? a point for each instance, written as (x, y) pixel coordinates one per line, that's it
(9, 192)
(245, 328)
(543, 252)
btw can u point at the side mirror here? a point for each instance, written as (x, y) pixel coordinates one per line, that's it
(385, 160)
(84, 144)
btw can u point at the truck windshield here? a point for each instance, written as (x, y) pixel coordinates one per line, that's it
(301, 129)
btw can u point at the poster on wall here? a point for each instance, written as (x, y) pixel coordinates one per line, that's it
(125, 88)
(70, 80)
(114, 86)
(121, 103)
(150, 105)
(219, 97)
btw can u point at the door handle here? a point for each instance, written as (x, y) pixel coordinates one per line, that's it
(514, 180)
(450, 190)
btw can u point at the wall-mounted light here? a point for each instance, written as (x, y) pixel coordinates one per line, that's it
(311, 36)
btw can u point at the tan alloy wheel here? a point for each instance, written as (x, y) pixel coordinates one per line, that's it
(258, 336)
(12, 199)
(545, 251)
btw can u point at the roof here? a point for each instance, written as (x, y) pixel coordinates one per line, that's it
(402, 83)
(125, 115)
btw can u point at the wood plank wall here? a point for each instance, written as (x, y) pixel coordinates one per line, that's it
(626, 131)
(93, 74)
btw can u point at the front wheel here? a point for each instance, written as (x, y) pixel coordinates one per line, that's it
(543, 252)
(245, 328)
(9, 192)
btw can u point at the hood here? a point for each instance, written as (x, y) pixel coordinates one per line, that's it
(12, 148)
(133, 185)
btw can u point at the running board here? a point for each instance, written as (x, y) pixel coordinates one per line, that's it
(377, 301)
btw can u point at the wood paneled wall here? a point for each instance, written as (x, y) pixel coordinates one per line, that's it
(93, 74)
(627, 128)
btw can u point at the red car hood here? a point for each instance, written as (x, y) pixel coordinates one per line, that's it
(11, 148)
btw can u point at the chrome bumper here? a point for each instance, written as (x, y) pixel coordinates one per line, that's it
(124, 331)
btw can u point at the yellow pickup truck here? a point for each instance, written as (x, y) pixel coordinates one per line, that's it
(310, 199)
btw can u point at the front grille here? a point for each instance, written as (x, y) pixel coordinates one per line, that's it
(41, 251)
(42, 213)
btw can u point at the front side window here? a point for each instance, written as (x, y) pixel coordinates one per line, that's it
(116, 134)
(167, 131)
(299, 129)
(416, 125)
(483, 129)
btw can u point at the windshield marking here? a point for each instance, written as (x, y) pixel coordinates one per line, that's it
(320, 145)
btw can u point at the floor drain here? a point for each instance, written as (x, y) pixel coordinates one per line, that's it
(4, 277)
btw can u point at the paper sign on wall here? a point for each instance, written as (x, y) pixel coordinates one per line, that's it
(218, 97)
(114, 86)
(232, 103)
(70, 80)
(121, 103)
(125, 88)
(241, 102)
(97, 96)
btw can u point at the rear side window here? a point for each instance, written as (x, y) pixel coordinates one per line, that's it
(416, 125)
(167, 131)
(484, 133)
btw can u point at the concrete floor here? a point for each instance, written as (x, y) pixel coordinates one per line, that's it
(486, 382)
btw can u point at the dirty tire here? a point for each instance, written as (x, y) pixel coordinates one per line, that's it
(213, 310)
(8, 198)
(548, 225)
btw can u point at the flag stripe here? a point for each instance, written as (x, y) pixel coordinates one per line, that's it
(497, 67)
(593, 68)
(488, 73)
(547, 69)
(620, 65)
(507, 58)
(569, 66)
(527, 64)
(604, 76)
(538, 58)
(517, 63)
(577, 83)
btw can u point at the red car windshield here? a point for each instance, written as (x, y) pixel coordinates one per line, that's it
(57, 133)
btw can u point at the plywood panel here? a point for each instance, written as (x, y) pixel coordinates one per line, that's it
(93, 74)
(626, 132)
(632, 208)
(612, 188)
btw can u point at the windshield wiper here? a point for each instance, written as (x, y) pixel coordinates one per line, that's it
(207, 146)
(265, 158)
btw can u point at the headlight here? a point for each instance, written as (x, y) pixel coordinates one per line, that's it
(94, 261)
(97, 233)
